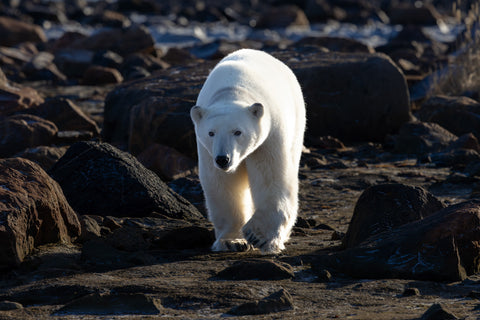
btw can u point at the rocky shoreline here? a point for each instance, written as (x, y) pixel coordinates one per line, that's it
(102, 212)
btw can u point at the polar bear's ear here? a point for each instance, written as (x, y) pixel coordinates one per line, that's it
(196, 113)
(256, 109)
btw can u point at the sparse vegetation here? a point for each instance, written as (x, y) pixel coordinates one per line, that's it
(462, 75)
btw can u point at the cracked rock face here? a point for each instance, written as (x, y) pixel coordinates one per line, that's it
(33, 211)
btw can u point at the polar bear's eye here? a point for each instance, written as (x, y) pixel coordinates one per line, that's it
(211, 133)
(237, 133)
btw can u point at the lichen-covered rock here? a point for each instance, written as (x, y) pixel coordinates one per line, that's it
(33, 211)
(99, 179)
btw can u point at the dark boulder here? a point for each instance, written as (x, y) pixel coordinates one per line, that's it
(66, 115)
(23, 131)
(336, 44)
(443, 246)
(420, 138)
(282, 17)
(353, 97)
(135, 38)
(387, 206)
(101, 180)
(98, 75)
(44, 156)
(14, 32)
(459, 115)
(155, 109)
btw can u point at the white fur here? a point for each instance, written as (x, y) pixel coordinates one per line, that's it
(252, 201)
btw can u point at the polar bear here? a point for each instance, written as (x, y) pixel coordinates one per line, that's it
(249, 123)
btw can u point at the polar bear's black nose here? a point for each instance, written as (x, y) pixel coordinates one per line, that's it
(222, 161)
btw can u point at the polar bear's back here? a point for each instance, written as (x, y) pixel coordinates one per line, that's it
(266, 79)
(263, 79)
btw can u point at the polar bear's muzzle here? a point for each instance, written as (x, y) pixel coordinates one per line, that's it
(223, 162)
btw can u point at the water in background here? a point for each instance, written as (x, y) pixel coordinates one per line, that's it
(168, 34)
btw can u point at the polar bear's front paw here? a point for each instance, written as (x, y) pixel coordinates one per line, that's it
(238, 245)
(257, 240)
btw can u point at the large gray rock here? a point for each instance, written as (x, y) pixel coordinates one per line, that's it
(99, 179)
(33, 211)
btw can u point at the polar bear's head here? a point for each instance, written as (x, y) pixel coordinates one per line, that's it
(229, 134)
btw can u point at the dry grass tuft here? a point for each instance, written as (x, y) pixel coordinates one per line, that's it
(462, 75)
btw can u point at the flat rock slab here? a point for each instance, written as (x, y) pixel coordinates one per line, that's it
(99, 179)
(112, 303)
(257, 269)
